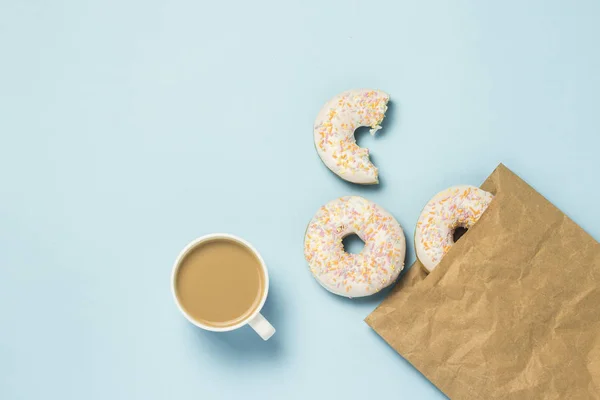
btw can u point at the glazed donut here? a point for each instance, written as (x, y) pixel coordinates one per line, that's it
(458, 206)
(354, 275)
(334, 133)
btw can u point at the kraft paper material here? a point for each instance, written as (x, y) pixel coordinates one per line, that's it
(511, 312)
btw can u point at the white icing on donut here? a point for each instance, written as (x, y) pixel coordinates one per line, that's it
(354, 275)
(458, 206)
(334, 133)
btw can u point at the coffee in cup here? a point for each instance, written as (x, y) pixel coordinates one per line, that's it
(220, 283)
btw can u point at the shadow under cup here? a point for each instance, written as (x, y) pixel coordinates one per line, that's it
(220, 282)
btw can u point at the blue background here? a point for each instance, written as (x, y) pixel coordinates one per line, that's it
(128, 128)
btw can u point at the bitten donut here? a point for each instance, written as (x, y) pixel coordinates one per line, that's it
(354, 275)
(458, 206)
(334, 133)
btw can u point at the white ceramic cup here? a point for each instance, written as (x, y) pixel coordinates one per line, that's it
(255, 320)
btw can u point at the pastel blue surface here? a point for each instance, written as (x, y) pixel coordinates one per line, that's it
(128, 128)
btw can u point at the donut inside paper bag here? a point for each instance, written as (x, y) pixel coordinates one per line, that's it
(513, 309)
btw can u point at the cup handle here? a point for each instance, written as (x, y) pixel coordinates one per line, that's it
(264, 329)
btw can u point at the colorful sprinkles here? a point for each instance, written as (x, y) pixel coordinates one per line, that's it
(334, 133)
(458, 206)
(354, 275)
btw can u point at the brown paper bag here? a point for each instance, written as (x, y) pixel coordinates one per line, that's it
(511, 312)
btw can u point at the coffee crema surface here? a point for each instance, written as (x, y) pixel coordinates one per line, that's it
(220, 283)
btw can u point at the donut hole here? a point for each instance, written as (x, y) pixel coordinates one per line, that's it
(360, 133)
(458, 232)
(353, 244)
